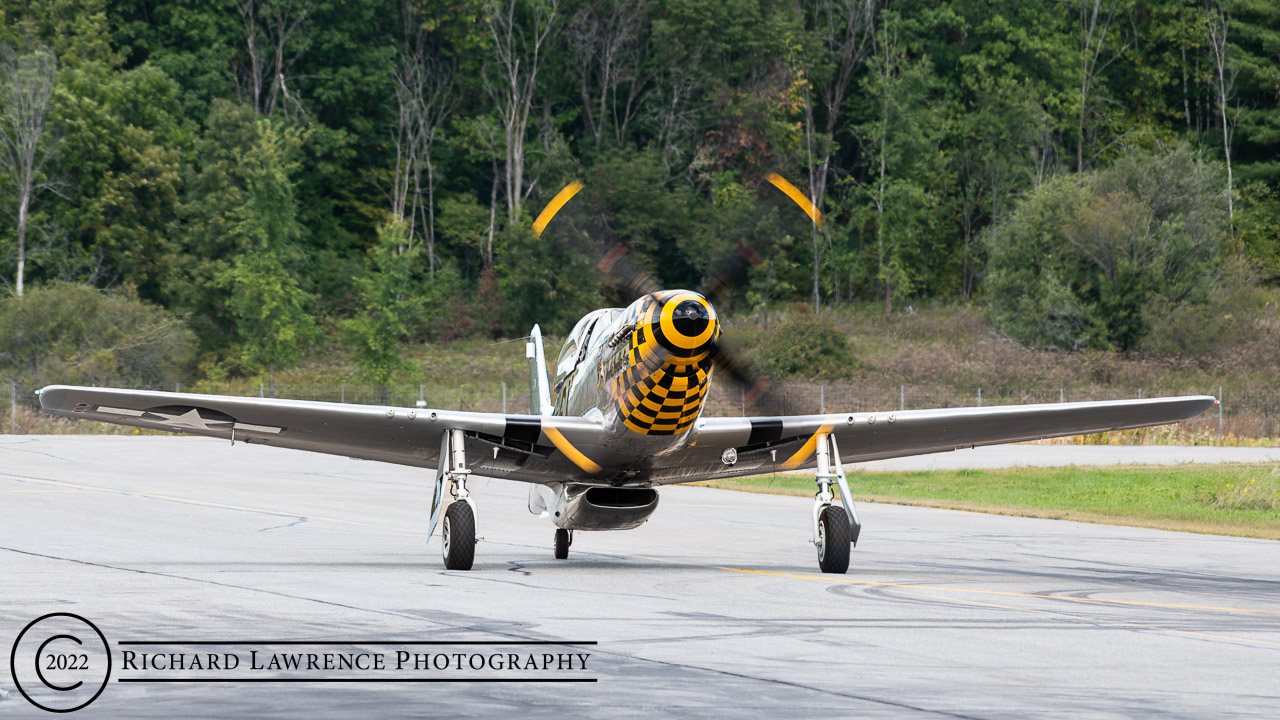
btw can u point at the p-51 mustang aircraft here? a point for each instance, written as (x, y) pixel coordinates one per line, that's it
(629, 389)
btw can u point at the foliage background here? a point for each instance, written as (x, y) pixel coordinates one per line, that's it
(242, 163)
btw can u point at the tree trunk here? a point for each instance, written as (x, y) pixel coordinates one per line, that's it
(517, 176)
(22, 239)
(431, 217)
(508, 176)
(29, 80)
(813, 228)
(1219, 23)
(271, 378)
(884, 270)
(493, 211)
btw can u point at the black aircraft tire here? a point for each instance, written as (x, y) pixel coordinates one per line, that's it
(562, 543)
(834, 526)
(458, 536)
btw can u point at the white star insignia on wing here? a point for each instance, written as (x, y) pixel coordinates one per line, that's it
(193, 419)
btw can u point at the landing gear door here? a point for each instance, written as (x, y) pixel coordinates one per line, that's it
(442, 470)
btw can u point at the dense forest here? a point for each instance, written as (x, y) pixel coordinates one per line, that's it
(275, 172)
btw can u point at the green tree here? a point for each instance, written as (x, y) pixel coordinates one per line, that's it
(267, 305)
(389, 307)
(1082, 261)
(204, 231)
(904, 138)
(121, 161)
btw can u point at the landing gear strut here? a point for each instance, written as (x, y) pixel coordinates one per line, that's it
(564, 538)
(458, 531)
(835, 529)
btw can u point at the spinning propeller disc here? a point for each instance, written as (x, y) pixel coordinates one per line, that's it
(595, 237)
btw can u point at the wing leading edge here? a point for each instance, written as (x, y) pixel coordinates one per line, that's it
(516, 447)
(784, 443)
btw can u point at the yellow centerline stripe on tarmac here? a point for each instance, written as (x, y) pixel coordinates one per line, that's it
(570, 451)
(206, 503)
(806, 449)
(794, 193)
(1005, 593)
(554, 206)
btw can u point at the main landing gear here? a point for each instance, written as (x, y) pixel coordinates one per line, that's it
(835, 529)
(458, 531)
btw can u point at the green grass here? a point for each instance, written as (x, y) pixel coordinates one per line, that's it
(1219, 499)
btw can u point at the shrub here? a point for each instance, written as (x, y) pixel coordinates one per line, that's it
(75, 334)
(1080, 259)
(1229, 317)
(806, 346)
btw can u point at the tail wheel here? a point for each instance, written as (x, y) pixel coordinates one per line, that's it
(833, 540)
(458, 536)
(563, 540)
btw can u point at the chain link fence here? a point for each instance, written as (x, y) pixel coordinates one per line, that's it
(1244, 412)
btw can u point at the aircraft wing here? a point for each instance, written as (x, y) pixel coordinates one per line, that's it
(516, 447)
(768, 444)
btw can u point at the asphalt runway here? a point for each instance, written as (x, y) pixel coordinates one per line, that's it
(714, 608)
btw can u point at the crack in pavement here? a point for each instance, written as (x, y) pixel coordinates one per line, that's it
(301, 519)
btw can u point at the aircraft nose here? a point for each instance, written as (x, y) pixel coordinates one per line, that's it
(690, 318)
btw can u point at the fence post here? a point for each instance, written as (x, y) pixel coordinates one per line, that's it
(344, 392)
(743, 395)
(1139, 393)
(822, 399)
(13, 407)
(504, 396)
(1062, 395)
(979, 397)
(260, 390)
(902, 397)
(1219, 411)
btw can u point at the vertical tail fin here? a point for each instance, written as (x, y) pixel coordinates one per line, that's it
(539, 385)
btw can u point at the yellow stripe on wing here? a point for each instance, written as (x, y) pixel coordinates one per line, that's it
(554, 206)
(794, 193)
(806, 451)
(570, 451)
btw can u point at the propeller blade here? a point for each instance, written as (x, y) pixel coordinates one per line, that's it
(589, 233)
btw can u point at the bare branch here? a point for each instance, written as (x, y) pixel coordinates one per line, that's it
(512, 78)
(273, 42)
